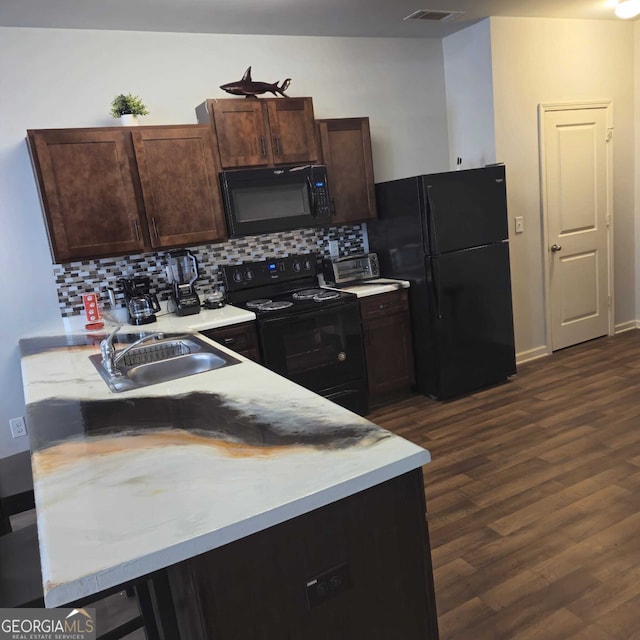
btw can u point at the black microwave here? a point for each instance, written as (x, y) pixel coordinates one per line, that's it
(275, 199)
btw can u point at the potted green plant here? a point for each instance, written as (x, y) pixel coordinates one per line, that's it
(128, 107)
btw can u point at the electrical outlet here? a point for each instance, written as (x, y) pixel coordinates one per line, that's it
(328, 585)
(18, 427)
(334, 249)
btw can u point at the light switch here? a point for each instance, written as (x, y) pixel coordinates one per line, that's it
(519, 224)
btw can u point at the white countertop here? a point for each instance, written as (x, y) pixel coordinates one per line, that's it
(376, 287)
(171, 323)
(215, 318)
(130, 483)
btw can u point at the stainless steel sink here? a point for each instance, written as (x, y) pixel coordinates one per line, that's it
(160, 361)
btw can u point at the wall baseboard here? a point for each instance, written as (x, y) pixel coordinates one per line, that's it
(532, 354)
(541, 352)
(627, 326)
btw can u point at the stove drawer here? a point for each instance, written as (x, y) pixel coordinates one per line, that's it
(242, 338)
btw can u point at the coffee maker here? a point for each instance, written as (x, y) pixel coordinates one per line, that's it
(182, 271)
(141, 303)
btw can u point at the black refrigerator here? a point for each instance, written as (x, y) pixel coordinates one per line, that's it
(447, 233)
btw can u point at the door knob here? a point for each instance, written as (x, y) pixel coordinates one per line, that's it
(556, 247)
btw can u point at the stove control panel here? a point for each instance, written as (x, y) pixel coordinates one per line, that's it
(256, 274)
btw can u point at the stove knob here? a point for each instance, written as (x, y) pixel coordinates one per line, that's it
(297, 267)
(237, 276)
(248, 274)
(307, 265)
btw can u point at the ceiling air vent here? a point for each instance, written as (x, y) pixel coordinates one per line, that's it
(433, 14)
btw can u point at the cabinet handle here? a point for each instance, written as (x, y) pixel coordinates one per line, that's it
(155, 227)
(263, 145)
(383, 306)
(229, 341)
(136, 229)
(277, 140)
(333, 206)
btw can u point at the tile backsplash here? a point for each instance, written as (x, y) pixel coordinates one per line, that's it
(75, 278)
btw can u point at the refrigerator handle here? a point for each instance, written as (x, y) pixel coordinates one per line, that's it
(435, 286)
(432, 236)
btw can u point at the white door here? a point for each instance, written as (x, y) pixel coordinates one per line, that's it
(575, 162)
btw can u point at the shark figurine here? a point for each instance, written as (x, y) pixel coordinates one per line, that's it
(247, 87)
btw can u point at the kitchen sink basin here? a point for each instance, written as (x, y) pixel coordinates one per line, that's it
(161, 361)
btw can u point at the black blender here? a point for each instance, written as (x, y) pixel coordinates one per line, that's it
(182, 271)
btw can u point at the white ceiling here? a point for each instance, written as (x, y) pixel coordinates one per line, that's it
(382, 18)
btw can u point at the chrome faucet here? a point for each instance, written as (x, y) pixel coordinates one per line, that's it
(108, 352)
(111, 357)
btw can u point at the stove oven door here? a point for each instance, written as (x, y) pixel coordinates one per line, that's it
(320, 350)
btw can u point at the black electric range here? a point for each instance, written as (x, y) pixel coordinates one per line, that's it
(281, 286)
(307, 334)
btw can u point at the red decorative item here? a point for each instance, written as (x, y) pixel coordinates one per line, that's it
(92, 310)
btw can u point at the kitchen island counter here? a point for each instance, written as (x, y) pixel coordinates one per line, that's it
(130, 483)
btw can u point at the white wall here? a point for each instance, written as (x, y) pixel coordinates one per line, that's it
(469, 89)
(545, 60)
(67, 78)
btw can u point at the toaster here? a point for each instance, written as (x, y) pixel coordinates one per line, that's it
(363, 266)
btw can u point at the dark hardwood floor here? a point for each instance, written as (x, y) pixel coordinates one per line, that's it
(533, 495)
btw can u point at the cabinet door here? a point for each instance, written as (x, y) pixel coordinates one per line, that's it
(292, 128)
(242, 338)
(179, 184)
(86, 181)
(241, 132)
(388, 354)
(388, 344)
(346, 150)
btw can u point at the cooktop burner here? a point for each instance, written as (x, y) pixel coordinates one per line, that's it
(306, 294)
(256, 304)
(326, 294)
(318, 295)
(276, 305)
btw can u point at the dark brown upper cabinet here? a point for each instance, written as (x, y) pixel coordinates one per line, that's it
(87, 186)
(262, 131)
(345, 145)
(118, 190)
(179, 184)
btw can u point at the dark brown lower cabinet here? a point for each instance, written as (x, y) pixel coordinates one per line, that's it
(357, 568)
(387, 345)
(242, 338)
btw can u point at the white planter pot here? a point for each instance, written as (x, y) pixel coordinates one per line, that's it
(128, 120)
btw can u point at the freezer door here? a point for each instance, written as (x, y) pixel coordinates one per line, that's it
(473, 335)
(396, 235)
(465, 209)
